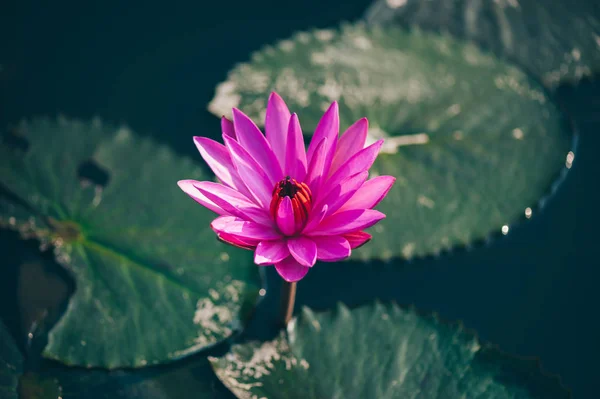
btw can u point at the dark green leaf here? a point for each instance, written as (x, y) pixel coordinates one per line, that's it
(474, 143)
(380, 351)
(152, 283)
(556, 41)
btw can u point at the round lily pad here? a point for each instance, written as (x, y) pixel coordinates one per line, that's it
(475, 144)
(152, 283)
(379, 351)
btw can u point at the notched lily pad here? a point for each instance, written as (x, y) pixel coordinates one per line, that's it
(475, 143)
(379, 351)
(152, 283)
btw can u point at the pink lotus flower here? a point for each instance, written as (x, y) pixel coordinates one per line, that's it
(291, 207)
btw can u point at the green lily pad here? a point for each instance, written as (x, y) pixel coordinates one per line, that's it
(152, 283)
(473, 142)
(379, 351)
(556, 41)
(11, 365)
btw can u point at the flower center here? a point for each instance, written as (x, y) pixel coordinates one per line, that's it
(301, 198)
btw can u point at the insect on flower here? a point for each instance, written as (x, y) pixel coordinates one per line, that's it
(290, 206)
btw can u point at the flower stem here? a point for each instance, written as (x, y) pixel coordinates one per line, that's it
(288, 297)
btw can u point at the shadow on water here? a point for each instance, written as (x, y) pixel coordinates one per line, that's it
(35, 291)
(582, 102)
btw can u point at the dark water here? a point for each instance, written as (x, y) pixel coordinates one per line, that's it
(154, 65)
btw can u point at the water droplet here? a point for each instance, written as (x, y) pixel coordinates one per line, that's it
(396, 3)
(505, 229)
(286, 45)
(362, 43)
(517, 134)
(408, 250)
(458, 135)
(425, 201)
(570, 159)
(453, 110)
(324, 35)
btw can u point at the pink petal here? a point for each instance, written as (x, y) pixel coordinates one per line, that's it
(243, 229)
(370, 194)
(233, 202)
(252, 139)
(341, 193)
(315, 218)
(295, 158)
(285, 217)
(347, 221)
(351, 142)
(218, 159)
(314, 174)
(303, 249)
(359, 162)
(227, 128)
(328, 128)
(232, 239)
(188, 187)
(271, 252)
(290, 270)
(251, 173)
(357, 238)
(276, 126)
(237, 241)
(332, 248)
